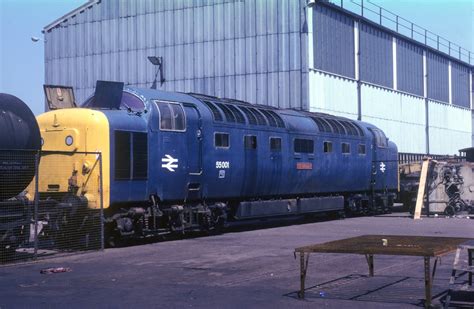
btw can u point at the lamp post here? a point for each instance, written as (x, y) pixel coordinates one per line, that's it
(36, 39)
(158, 62)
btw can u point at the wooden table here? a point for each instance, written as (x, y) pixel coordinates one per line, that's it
(369, 245)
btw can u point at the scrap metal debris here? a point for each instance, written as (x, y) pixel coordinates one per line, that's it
(55, 270)
(449, 187)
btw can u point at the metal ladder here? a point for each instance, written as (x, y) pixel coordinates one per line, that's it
(457, 268)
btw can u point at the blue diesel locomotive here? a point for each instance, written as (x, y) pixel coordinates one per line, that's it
(178, 162)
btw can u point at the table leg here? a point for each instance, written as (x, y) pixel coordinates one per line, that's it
(427, 282)
(303, 269)
(434, 268)
(470, 252)
(370, 262)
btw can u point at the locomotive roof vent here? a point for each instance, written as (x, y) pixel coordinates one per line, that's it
(108, 95)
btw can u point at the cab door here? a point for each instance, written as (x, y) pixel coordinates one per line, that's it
(193, 139)
(379, 159)
(275, 164)
(193, 150)
(250, 166)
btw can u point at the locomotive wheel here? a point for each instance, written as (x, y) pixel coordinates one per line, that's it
(449, 211)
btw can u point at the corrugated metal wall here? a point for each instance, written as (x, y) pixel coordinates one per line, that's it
(251, 50)
(332, 94)
(409, 67)
(257, 50)
(438, 78)
(333, 37)
(401, 116)
(460, 84)
(376, 60)
(450, 128)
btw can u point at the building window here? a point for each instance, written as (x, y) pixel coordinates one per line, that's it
(221, 140)
(275, 144)
(346, 148)
(172, 117)
(304, 145)
(250, 142)
(362, 149)
(327, 147)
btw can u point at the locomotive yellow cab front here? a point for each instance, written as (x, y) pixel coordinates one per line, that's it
(74, 142)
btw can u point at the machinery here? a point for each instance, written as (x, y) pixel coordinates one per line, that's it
(449, 185)
(175, 162)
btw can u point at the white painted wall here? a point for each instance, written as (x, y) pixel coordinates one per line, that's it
(400, 116)
(332, 95)
(450, 128)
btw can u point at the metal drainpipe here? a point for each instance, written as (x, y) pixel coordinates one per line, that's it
(357, 73)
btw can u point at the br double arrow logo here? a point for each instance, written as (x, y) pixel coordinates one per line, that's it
(382, 167)
(169, 163)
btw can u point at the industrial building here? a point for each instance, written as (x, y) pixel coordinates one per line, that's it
(312, 55)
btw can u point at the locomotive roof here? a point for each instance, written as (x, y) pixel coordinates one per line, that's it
(244, 113)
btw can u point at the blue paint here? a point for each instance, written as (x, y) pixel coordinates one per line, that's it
(333, 41)
(376, 57)
(409, 67)
(223, 174)
(438, 77)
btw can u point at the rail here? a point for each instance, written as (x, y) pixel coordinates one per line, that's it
(405, 157)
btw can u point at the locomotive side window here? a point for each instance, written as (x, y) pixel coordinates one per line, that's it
(303, 145)
(327, 147)
(172, 117)
(346, 148)
(221, 140)
(362, 149)
(275, 144)
(250, 142)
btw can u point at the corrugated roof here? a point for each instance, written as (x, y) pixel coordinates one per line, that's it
(71, 14)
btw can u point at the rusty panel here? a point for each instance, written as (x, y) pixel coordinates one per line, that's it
(395, 245)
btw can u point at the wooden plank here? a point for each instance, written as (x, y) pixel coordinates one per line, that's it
(421, 189)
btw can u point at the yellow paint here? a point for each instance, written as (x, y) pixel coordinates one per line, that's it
(61, 164)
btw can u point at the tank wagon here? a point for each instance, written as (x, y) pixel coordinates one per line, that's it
(174, 162)
(19, 146)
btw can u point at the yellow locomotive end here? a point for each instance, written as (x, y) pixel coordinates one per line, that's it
(70, 163)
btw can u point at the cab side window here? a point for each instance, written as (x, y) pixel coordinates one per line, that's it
(380, 138)
(172, 117)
